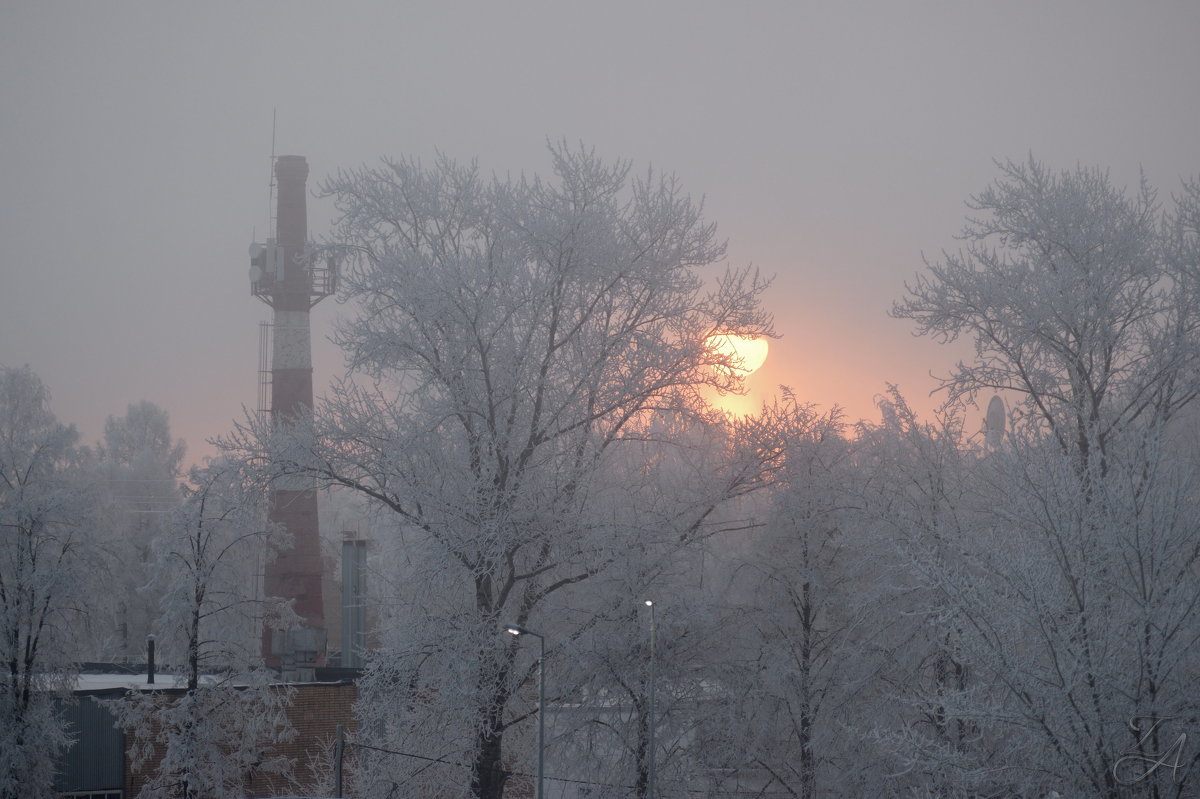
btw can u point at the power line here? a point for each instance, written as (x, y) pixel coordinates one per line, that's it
(465, 765)
(432, 760)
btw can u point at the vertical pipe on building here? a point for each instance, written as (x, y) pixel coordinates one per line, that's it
(353, 601)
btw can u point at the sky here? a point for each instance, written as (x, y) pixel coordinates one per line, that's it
(834, 145)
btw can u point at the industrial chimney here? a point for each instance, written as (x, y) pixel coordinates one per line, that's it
(283, 275)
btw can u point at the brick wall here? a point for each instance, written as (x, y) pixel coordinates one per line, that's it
(315, 712)
(317, 709)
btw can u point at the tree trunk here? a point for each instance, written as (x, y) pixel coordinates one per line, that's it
(488, 776)
(487, 772)
(808, 775)
(641, 785)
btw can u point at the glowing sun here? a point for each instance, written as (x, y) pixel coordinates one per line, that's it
(746, 353)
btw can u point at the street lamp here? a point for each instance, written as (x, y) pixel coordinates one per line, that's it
(515, 630)
(653, 637)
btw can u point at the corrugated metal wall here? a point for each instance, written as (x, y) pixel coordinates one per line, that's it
(94, 761)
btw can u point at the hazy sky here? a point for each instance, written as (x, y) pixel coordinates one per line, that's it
(833, 142)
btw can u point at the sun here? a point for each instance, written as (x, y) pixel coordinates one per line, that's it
(746, 353)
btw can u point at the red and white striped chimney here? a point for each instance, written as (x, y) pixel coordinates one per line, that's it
(288, 281)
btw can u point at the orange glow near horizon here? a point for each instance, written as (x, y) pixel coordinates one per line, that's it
(827, 376)
(746, 353)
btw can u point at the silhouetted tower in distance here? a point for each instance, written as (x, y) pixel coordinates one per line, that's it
(993, 423)
(284, 275)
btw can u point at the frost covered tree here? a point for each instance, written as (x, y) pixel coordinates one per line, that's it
(1083, 302)
(917, 493)
(222, 731)
(520, 334)
(138, 467)
(812, 631)
(802, 576)
(1075, 598)
(810, 590)
(606, 731)
(672, 494)
(45, 560)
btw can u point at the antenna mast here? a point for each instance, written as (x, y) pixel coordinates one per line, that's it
(271, 218)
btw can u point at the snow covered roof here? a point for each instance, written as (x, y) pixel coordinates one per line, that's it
(101, 682)
(117, 680)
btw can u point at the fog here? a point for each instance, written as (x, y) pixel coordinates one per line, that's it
(833, 146)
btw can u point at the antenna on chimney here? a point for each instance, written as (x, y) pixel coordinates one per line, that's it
(271, 191)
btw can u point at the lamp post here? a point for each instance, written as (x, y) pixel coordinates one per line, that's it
(653, 637)
(515, 630)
